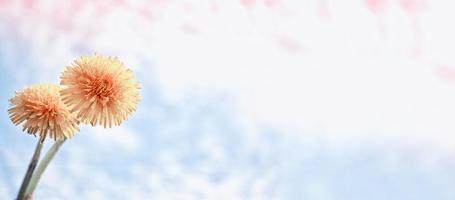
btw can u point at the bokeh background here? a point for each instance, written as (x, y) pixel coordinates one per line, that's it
(245, 99)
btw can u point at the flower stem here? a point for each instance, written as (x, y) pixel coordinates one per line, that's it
(31, 168)
(43, 165)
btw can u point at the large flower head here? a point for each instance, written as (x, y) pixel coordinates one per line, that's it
(41, 111)
(100, 90)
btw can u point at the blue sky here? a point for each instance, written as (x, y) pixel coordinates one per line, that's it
(270, 101)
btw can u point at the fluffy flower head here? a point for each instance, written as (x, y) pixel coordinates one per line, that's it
(100, 90)
(41, 111)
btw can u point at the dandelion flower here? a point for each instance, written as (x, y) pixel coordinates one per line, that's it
(43, 112)
(100, 90)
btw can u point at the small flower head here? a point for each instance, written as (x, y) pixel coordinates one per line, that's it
(41, 111)
(100, 90)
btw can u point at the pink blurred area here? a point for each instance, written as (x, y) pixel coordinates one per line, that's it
(78, 16)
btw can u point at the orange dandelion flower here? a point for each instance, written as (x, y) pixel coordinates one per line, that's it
(100, 89)
(40, 107)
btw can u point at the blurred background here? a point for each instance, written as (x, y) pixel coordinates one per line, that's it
(245, 99)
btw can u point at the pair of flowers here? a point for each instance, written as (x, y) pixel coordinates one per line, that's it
(95, 89)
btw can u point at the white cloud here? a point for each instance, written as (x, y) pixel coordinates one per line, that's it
(351, 80)
(120, 138)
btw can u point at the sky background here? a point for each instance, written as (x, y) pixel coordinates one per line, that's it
(245, 99)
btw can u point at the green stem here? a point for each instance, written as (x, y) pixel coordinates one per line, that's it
(42, 166)
(31, 168)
